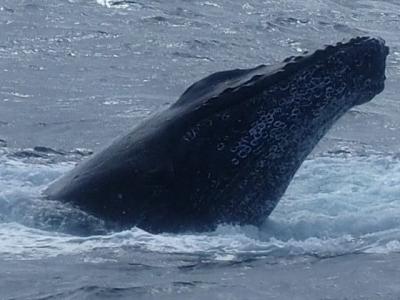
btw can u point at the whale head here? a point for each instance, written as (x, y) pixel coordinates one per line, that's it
(361, 63)
(248, 131)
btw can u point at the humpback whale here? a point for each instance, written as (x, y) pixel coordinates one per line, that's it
(226, 151)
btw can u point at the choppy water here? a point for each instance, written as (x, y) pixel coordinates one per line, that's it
(337, 204)
(74, 74)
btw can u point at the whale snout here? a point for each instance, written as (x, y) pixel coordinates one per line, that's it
(374, 56)
(367, 60)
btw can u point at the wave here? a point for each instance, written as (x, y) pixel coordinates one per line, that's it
(337, 204)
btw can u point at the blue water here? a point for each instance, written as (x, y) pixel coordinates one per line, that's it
(76, 73)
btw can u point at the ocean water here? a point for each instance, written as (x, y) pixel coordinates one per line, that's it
(74, 74)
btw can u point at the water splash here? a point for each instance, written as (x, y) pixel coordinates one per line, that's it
(336, 205)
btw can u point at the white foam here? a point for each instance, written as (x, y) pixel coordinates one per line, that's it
(112, 3)
(335, 205)
(104, 2)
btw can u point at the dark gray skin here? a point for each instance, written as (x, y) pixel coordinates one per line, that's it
(226, 151)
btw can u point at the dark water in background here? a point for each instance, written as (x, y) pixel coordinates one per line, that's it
(75, 74)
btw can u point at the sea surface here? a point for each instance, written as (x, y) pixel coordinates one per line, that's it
(75, 74)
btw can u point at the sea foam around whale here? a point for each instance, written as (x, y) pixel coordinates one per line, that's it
(337, 204)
